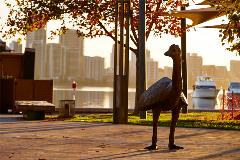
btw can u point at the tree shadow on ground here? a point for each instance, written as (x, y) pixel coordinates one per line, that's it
(50, 127)
(131, 154)
(220, 154)
(195, 134)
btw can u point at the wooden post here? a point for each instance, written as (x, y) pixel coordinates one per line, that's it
(121, 62)
(141, 54)
(115, 118)
(184, 60)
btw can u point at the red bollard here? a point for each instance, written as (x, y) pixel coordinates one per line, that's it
(74, 86)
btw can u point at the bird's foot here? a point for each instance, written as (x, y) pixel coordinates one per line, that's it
(173, 146)
(152, 147)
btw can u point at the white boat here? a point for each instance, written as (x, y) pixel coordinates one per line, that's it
(205, 87)
(233, 95)
(234, 88)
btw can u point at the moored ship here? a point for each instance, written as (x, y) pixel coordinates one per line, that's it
(205, 87)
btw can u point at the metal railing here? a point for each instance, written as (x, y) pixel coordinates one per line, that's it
(230, 102)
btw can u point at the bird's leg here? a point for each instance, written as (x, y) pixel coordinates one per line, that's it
(156, 114)
(175, 116)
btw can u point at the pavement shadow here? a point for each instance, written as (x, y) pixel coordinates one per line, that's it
(10, 119)
(127, 155)
(219, 154)
(195, 134)
(50, 127)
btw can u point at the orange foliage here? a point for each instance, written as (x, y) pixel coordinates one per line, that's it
(91, 17)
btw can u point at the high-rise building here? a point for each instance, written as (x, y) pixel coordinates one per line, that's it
(112, 55)
(160, 73)
(112, 58)
(168, 72)
(16, 47)
(132, 69)
(70, 40)
(209, 70)
(151, 69)
(37, 40)
(72, 50)
(94, 68)
(54, 65)
(73, 65)
(194, 68)
(221, 76)
(234, 70)
(147, 55)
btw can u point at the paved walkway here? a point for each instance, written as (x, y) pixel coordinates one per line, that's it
(57, 140)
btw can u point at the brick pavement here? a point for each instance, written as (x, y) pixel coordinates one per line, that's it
(58, 140)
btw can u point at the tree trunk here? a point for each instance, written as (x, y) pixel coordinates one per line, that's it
(140, 86)
(140, 60)
(137, 94)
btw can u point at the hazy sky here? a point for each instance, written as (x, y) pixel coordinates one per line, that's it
(205, 42)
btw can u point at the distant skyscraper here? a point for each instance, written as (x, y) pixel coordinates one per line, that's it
(151, 69)
(37, 40)
(194, 68)
(112, 57)
(218, 73)
(54, 65)
(73, 63)
(16, 47)
(235, 69)
(147, 55)
(160, 73)
(94, 68)
(72, 50)
(132, 68)
(221, 72)
(168, 72)
(36, 36)
(71, 40)
(209, 70)
(221, 76)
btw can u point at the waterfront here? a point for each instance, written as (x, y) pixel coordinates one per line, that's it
(102, 97)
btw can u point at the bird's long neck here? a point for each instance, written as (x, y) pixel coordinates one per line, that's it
(176, 75)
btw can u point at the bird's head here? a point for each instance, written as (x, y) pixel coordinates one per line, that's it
(173, 51)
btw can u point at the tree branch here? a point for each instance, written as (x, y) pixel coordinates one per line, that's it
(104, 28)
(134, 34)
(110, 35)
(132, 49)
(132, 38)
(152, 22)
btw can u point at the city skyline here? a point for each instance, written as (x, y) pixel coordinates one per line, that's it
(205, 42)
(65, 61)
(149, 54)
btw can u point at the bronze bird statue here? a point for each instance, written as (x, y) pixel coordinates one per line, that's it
(165, 95)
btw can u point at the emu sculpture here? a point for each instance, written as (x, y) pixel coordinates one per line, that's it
(165, 95)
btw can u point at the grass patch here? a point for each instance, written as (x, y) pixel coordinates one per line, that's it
(190, 120)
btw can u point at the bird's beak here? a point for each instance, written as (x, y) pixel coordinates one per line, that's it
(166, 53)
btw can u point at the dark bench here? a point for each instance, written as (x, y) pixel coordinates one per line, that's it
(34, 110)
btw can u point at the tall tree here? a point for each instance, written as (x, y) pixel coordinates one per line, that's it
(92, 18)
(230, 34)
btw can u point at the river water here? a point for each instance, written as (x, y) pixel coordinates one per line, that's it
(102, 97)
